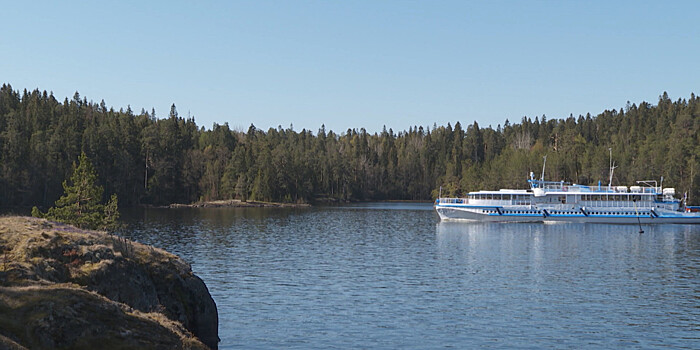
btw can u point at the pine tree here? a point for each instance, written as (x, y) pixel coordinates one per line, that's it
(81, 204)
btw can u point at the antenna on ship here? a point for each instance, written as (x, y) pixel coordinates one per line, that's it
(543, 166)
(612, 169)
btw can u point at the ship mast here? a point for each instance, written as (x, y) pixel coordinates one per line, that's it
(612, 169)
(543, 166)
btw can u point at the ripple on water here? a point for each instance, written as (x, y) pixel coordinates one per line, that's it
(389, 275)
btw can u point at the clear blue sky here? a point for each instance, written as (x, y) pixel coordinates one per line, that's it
(353, 64)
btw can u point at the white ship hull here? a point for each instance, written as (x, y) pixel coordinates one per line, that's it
(505, 214)
(467, 214)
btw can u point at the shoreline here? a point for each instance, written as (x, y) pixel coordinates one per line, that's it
(232, 203)
(237, 203)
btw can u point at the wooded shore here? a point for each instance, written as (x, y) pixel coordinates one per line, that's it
(155, 160)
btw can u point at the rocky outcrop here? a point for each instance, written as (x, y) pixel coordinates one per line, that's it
(63, 287)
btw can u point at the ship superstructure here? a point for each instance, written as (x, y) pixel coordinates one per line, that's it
(644, 203)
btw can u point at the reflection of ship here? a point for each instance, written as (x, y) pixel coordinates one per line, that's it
(552, 201)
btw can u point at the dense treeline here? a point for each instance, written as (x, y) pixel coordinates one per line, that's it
(147, 160)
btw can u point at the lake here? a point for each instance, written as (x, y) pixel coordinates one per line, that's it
(391, 275)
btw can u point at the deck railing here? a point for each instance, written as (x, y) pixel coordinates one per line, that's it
(452, 201)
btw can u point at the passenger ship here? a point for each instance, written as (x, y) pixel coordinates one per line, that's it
(550, 201)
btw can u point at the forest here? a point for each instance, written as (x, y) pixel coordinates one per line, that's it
(147, 160)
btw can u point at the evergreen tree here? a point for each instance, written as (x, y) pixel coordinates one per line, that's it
(81, 204)
(145, 160)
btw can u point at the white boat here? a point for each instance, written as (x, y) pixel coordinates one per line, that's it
(549, 201)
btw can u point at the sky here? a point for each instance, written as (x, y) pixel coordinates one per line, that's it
(354, 64)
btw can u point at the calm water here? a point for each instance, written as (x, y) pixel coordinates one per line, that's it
(393, 276)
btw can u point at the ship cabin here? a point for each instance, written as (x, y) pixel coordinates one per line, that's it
(561, 194)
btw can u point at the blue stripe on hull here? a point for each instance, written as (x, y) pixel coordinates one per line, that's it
(457, 212)
(452, 213)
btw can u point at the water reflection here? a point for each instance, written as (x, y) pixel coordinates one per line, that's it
(584, 279)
